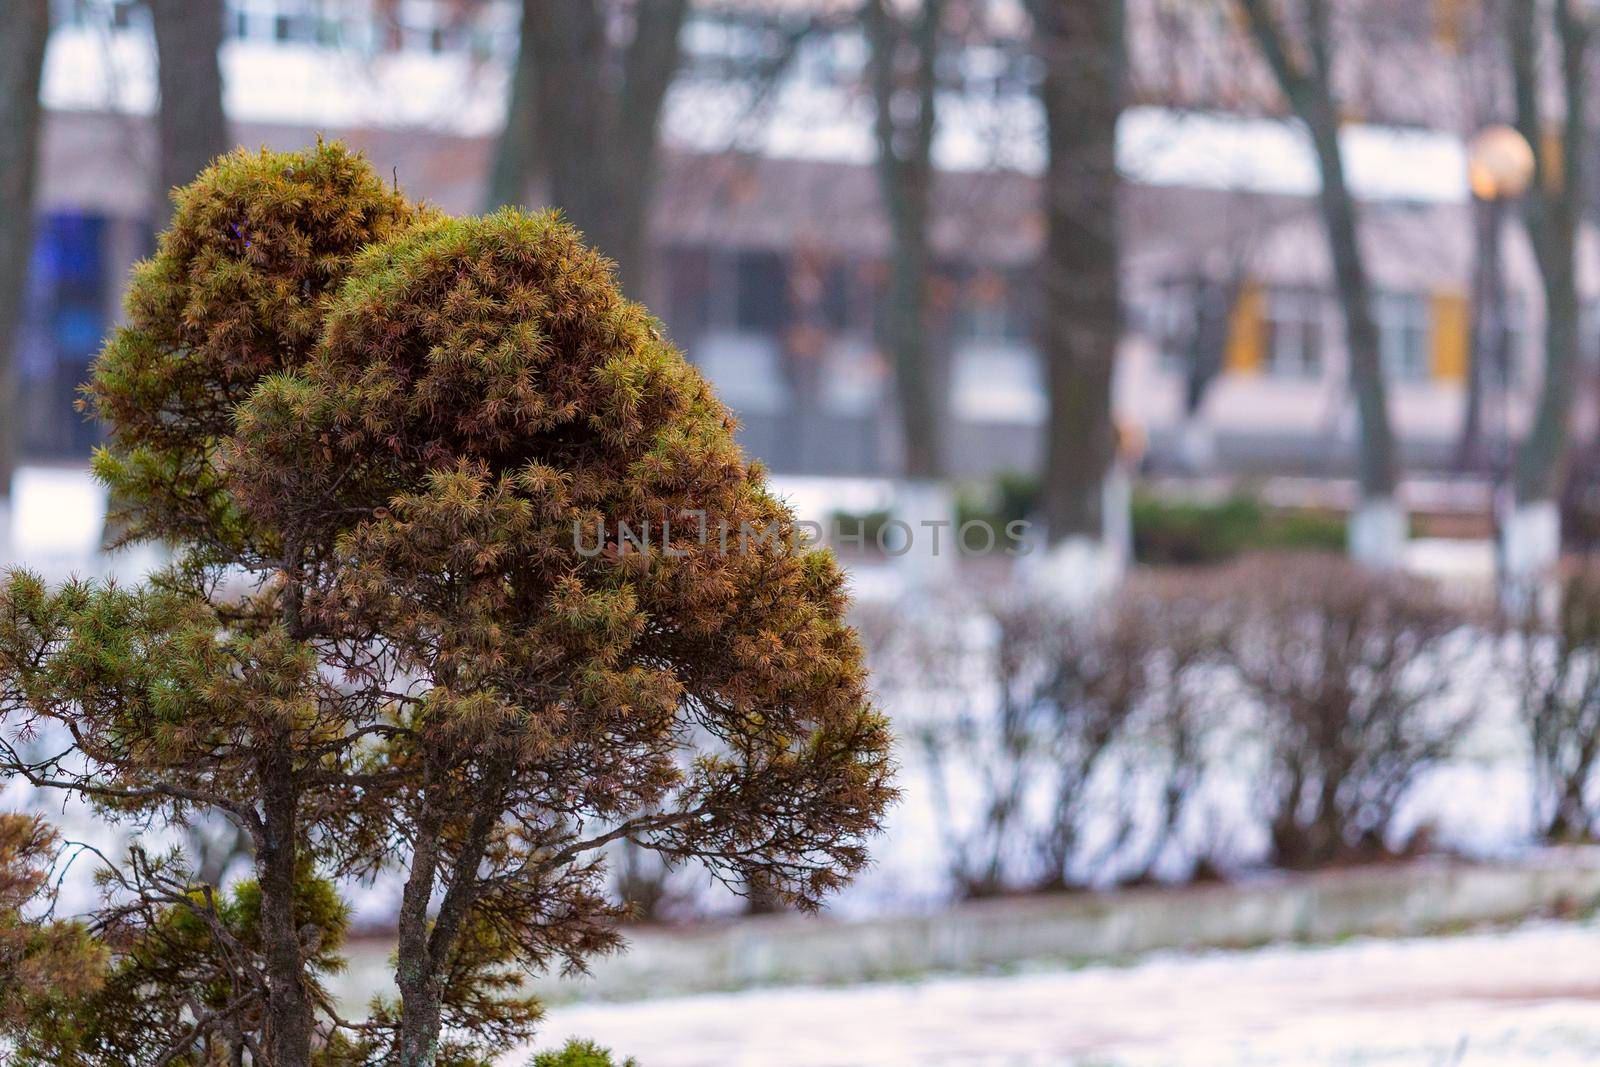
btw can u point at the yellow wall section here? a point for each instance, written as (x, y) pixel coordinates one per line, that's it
(1449, 18)
(1452, 337)
(1246, 336)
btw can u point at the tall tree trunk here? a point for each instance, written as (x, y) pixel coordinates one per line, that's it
(290, 1017)
(1554, 214)
(1081, 46)
(193, 129)
(1487, 351)
(905, 179)
(21, 66)
(597, 135)
(1306, 81)
(516, 153)
(649, 65)
(1377, 469)
(415, 976)
(428, 942)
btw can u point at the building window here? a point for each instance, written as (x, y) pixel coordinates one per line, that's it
(64, 321)
(760, 290)
(1404, 335)
(730, 309)
(995, 376)
(1295, 333)
(994, 308)
(1170, 321)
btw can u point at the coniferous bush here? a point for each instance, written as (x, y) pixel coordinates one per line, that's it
(416, 628)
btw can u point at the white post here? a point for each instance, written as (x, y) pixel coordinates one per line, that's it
(1197, 445)
(920, 536)
(1377, 533)
(1080, 570)
(1530, 549)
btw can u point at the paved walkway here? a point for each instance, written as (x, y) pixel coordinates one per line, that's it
(1528, 996)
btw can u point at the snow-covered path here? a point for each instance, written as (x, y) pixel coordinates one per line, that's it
(1527, 996)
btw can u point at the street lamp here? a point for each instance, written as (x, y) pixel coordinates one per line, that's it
(1500, 167)
(1499, 164)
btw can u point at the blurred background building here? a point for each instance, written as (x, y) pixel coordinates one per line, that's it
(768, 242)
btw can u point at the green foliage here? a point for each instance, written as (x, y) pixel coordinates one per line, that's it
(234, 292)
(1002, 505)
(1176, 533)
(1011, 497)
(168, 965)
(375, 436)
(1170, 532)
(579, 1054)
(47, 967)
(484, 393)
(863, 529)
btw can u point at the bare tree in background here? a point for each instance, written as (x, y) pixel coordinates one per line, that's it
(1082, 50)
(515, 165)
(1554, 213)
(21, 67)
(1302, 65)
(585, 109)
(192, 129)
(904, 55)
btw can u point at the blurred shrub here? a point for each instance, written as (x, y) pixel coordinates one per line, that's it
(1010, 497)
(1349, 669)
(1172, 533)
(1065, 749)
(859, 531)
(1556, 668)
(1181, 728)
(1183, 533)
(580, 1054)
(1030, 716)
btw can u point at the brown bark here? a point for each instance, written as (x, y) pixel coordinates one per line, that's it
(596, 136)
(1307, 84)
(905, 178)
(1488, 353)
(290, 1016)
(1554, 211)
(192, 128)
(1081, 46)
(426, 948)
(516, 156)
(21, 65)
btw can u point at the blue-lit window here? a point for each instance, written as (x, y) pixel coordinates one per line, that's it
(64, 324)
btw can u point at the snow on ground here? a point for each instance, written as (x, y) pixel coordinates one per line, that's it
(1530, 995)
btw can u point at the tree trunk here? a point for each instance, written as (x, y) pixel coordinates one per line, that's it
(905, 181)
(420, 1016)
(1085, 83)
(427, 945)
(21, 65)
(598, 138)
(1305, 77)
(649, 65)
(516, 154)
(1487, 351)
(290, 1018)
(192, 128)
(1554, 214)
(1377, 470)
